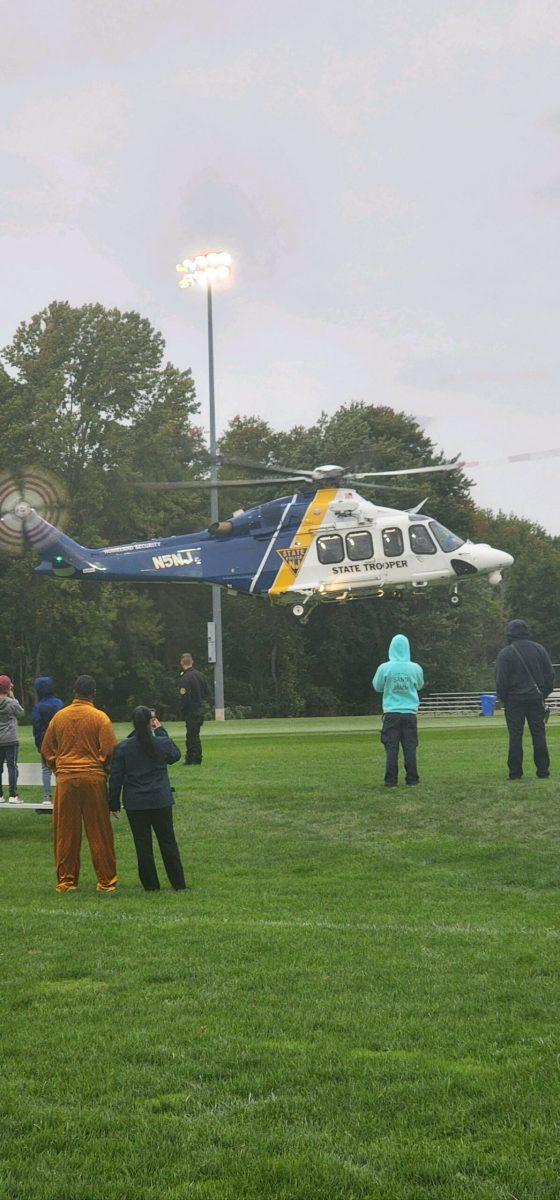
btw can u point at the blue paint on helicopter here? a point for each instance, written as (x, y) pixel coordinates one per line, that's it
(243, 558)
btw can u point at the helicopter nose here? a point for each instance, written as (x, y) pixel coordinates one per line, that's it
(487, 559)
(506, 560)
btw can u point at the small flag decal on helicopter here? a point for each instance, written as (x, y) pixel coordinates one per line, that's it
(293, 557)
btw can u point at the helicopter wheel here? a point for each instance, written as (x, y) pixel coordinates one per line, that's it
(298, 610)
(455, 599)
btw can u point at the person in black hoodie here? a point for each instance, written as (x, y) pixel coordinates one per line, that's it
(524, 678)
(42, 714)
(139, 770)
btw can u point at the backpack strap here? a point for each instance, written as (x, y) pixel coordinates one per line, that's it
(527, 668)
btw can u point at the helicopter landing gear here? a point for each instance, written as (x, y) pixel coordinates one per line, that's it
(303, 611)
(454, 597)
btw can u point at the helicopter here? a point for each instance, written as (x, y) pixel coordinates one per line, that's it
(323, 543)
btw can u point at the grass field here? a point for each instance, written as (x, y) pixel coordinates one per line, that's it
(359, 998)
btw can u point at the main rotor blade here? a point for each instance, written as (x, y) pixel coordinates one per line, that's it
(387, 487)
(198, 485)
(530, 456)
(464, 465)
(456, 466)
(268, 468)
(193, 485)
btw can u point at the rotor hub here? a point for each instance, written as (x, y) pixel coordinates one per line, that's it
(22, 509)
(328, 471)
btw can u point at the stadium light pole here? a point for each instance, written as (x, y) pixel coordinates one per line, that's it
(206, 270)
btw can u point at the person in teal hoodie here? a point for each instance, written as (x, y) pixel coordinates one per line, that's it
(400, 680)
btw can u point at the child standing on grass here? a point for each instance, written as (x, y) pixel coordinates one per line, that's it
(400, 681)
(42, 714)
(10, 710)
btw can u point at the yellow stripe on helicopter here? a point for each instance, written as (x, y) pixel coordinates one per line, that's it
(294, 555)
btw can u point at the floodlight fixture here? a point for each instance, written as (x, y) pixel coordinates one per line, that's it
(205, 269)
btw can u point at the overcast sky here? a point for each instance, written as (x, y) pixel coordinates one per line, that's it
(385, 173)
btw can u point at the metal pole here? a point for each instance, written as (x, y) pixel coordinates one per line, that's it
(216, 591)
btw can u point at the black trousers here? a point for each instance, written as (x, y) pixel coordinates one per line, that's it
(9, 755)
(193, 725)
(160, 820)
(527, 707)
(400, 729)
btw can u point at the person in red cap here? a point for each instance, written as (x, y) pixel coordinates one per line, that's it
(10, 710)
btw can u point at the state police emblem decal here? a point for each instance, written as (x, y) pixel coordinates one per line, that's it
(293, 557)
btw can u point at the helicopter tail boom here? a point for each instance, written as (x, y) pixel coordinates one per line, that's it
(55, 547)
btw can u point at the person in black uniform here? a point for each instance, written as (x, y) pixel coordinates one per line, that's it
(524, 678)
(139, 770)
(193, 691)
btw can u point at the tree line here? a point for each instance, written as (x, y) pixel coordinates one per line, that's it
(87, 393)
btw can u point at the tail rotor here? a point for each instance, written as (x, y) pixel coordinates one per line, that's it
(33, 489)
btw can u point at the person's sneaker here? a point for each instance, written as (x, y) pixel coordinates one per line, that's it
(47, 801)
(14, 800)
(391, 785)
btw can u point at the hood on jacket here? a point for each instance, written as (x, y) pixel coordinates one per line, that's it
(399, 650)
(517, 629)
(44, 687)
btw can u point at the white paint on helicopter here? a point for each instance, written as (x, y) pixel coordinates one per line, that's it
(188, 557)
(131, 546)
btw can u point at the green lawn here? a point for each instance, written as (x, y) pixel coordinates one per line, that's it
(359, 998)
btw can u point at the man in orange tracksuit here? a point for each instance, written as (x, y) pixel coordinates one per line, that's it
(78, 747)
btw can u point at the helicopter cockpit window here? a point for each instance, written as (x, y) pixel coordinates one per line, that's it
(393, 544)
(445, 538)
(359, 545)
(330, 549)
(420, 540)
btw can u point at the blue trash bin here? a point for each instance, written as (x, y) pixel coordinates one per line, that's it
(487, 704)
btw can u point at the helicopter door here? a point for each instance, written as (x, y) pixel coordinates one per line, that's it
(425, 557)
(393, 542)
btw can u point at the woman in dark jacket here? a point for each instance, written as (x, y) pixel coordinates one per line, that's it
(140, 771)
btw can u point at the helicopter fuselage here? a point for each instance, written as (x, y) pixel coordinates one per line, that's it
(324, 545)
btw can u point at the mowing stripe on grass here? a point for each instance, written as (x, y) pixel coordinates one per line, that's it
(433, 928)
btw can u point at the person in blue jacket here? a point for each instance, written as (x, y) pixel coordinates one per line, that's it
(139, 771)
(400, 680)
(42, 713)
